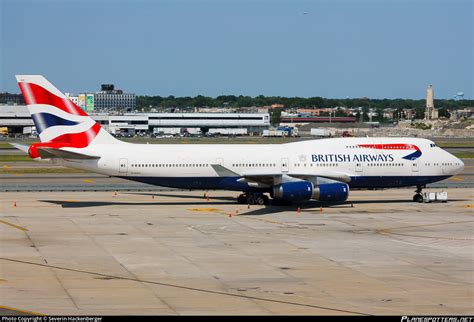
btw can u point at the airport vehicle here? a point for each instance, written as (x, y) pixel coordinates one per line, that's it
(322, 133)
(274, 133)
(322, 170)
(4, 131)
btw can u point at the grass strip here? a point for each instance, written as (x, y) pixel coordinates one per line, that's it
(39, 170)
(465, 155)
(15, 158)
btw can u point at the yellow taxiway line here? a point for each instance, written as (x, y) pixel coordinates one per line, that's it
(13, 225)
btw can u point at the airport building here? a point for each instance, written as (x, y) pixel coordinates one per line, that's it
(431, 113)
(14, 99)
(18, 121)
(108, 99)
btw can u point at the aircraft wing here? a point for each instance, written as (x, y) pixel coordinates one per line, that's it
(333, 175)
(270, 178)
(21, 147)
(274, 178)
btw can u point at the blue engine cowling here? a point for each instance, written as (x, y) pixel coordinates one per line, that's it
(331, 192)
(294, 191)
(304, 190)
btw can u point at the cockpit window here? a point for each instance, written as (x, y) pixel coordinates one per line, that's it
(432, 145)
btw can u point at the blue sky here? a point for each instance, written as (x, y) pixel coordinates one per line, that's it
(335, 49)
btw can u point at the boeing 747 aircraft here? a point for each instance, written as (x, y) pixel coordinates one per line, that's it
(321, 170)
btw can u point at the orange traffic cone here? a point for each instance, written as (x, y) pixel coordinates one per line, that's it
(321, 209)
(14, 203)
(230, 214)
(299, 210)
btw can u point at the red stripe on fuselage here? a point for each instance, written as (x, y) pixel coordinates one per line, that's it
(35, 94)
(392, 146)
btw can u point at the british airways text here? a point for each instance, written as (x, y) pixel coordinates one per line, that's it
(352, 158)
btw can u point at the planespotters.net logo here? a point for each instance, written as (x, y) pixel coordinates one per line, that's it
(51, 318)
(437, 319)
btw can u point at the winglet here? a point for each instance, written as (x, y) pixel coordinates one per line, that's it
(223, 171)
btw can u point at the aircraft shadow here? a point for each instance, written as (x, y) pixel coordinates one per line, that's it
(393, 201)
(86, 204)
(179, 196)
(267, 210)
(316, 206)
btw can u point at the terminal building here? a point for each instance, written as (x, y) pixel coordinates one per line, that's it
(18, 121)
(108, 99)
(9, 98)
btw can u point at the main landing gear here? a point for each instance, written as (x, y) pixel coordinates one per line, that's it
(418, 197)
(253, 198)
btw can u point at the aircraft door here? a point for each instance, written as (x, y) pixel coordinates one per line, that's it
(359, 168)
(414, 166)
(220, 161)
(123, 165)
(285, 162)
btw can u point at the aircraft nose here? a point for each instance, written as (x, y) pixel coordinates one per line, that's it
(459, 165)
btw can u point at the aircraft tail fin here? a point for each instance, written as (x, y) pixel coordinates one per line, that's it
(59, 122)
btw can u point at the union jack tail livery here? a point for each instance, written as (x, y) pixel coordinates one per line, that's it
(59, 122)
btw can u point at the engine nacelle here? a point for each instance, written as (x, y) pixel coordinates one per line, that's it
(294, 191)
(304, 190)
(331, 192)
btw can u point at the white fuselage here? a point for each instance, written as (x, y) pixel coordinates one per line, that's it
(370, 162)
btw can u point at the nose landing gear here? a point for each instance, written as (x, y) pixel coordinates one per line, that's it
(418, 197)
(253, 199)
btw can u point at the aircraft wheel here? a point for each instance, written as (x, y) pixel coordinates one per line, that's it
(242, 199)
(260, 201)
(251, 200)
(418, 198)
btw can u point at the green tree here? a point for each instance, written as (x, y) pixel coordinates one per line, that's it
(244, 101)
(419, 113)
(201, 101)
(443, 112)
(275, 116)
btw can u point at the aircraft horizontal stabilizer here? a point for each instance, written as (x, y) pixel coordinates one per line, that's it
(50, 153)
(21, 147)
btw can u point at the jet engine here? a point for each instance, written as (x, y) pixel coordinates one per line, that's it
(305, 190)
